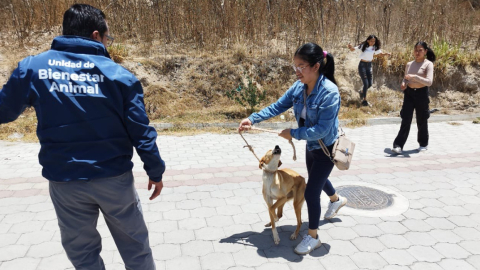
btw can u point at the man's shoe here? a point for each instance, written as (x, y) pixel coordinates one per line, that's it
(365, 103)
(307, 245)
(397, 150)
(333, 207)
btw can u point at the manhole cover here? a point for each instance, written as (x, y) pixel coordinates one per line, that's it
(365, 198)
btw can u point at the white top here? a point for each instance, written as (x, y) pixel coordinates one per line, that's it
(367, 55)
(304, 113)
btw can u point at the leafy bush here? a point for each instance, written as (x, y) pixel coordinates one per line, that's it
(247, 95)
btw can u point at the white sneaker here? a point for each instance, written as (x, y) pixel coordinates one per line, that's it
(397, 150)
(422, 149)
(307, 245)
(333, 207)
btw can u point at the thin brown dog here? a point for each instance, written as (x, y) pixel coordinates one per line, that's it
(282, 186)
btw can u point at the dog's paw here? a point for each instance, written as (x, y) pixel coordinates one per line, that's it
(276, 238)
(269, 224)
(293, 236)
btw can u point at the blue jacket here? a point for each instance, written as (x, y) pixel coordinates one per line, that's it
(323, 105)
(90, 112)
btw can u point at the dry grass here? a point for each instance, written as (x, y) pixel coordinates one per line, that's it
(25, 125)
(454, 123)
(118, 52)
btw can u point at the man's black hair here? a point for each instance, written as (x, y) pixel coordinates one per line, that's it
(83, 20)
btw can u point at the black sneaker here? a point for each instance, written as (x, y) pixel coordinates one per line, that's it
(365, 103)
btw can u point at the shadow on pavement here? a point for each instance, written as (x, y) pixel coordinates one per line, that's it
(266, 247)
(405, 153)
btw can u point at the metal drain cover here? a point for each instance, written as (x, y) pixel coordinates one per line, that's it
(365, 198)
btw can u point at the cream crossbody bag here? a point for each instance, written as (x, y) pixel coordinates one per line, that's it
(343, 148)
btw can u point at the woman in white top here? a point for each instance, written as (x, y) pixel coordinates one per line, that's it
(369, 48)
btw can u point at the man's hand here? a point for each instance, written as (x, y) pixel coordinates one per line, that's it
(285, 134)
(350, 47)
(157, 190)
(245, 124)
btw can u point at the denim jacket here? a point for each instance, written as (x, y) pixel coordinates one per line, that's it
(323, 105)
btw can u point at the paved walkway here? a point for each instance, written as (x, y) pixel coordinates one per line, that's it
(211, 214)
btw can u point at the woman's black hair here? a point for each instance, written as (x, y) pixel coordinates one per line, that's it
(430, 54)
(364, 45)
(312, 53)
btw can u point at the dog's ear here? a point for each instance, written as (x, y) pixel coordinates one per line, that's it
(262, 161)
(279, 163)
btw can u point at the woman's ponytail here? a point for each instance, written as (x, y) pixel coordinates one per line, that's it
(329, 68)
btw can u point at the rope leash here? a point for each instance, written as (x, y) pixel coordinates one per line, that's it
(269, 131)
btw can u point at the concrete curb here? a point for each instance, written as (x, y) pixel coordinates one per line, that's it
(284, 125)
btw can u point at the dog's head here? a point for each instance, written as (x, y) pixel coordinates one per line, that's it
(271, 159)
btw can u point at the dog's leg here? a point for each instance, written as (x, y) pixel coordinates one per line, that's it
(298, 204)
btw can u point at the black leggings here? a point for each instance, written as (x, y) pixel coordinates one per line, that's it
(365, 71)
(414, 99)
(319, 167)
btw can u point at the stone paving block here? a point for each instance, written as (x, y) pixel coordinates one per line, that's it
(219, 221)
(392, 227)
(435, 212)
(455, 264)
(334, 262)
(467, 233)
(343, 248)
(11, 252)
(8, 239)
(366, 260)
(342, 233)
(440, 223)
(397, 256)
(367, 244)
(426, 266)
(425, 254)
(155, 238)
(344, 221)
(273, 266)
(239, 201)
(463, 221)
(417, 225)
(192, 223)
(228, 245)
(55, 262)
(368, 230)
(250, 258)
(217, 261)
(197, 248)
(415, 214)
(246, 218)
(213, 202)
(309, 264)
(176, 214)
(445, 236)
(163, 226)
(203, 212)
(210, 234)
(34, 238)
(198, 195)
(26, 227)
(452, 251)
(188, 204)
(179, 237)
(229, 210)
(281, 254)
(474, 261)
(395, 241)
(19, 217)
(184, 263)
(20, 263)
(166, 252)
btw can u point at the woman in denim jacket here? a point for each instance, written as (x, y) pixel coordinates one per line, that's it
(318, 119)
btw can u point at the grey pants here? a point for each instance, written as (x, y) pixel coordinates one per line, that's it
(77, 205)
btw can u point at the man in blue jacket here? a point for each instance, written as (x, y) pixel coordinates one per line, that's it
(90, 114)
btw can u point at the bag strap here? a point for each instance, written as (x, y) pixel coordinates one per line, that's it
(322, 145)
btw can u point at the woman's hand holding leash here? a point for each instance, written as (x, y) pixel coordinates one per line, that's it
(285, 134)
(246, 124)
